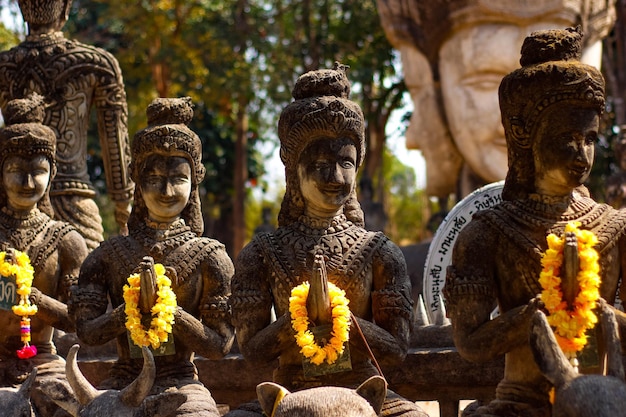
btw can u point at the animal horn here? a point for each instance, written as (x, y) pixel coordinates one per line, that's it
(548, 355)
(24, 390)
(615, 366)
(84, 391)
(139, 389)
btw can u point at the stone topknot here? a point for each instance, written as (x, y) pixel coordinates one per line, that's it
(552, 45)
(163, 111)
(325, 82)
(25, 110)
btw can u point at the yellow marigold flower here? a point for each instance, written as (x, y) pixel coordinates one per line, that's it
(300, 324)
(162, 311)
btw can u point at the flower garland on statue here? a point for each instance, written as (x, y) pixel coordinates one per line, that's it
(24, 274)
(570, 325)
(162, 311)
(334, 347)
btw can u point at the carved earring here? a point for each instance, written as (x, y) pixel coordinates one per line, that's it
(519, 134)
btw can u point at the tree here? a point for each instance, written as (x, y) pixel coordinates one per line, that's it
(188, 48)
(310, 34)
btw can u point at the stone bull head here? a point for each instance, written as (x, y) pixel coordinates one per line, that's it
(366, 401)
(16, 402)
(132, 401)
(579, 395)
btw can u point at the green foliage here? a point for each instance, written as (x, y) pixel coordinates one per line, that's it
(406, 204)
(179, 48)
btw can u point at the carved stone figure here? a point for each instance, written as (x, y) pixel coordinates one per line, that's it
(15, 402)
(165, 226)
(73, 78)
(581, 395)
(366, 401)
(132, 401)
(55, 249)
(320, 237)
(454, 54)
(550, 111)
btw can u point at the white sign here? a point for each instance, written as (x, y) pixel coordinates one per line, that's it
(440, 251)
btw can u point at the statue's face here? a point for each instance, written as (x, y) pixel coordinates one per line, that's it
(327, 175)
(166, 186)
(25, 180)
(564, 148)
(42, 12)
(472, 63)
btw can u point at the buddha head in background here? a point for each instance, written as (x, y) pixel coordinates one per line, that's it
(454, 55)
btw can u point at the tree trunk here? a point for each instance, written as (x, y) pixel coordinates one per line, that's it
(241, 176)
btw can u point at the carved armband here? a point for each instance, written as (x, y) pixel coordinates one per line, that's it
(248, 300)
(390, 303)
(86, 304)
(471, 283)
(215, 308)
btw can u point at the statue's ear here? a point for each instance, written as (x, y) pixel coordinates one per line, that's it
(548, 355)
(163, 404)
(270, 395)
(61, 394)
(612, 343)
(374, 390)
(518, 133)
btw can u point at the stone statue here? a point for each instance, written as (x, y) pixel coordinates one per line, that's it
(16, 401)
(581, 395)
(321, 239)
(132, 401)
(73, 78)
(366, 401)
(165, 226)
(55, 249)
(454, 54)
(550, 108)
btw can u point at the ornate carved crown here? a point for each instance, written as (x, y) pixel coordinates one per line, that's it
(551, 73)
(45, 12)
(167, 133)
(24, 133)
(321, 109)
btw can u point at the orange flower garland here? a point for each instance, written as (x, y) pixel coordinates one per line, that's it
(24, 274)
(570, 325)
(300, 323)
(162, 312)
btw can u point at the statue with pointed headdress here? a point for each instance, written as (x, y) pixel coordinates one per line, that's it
(322, 273)
(168, 285)
(45, 254)
(527, 252)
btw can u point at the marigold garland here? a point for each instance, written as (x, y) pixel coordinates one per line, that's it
(570, 325)
(162, 311)
(24, 274)
(340, 333)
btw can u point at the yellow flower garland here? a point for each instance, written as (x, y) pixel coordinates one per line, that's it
(24, 274)
(162, 311)
(300, 323)
(570, 325)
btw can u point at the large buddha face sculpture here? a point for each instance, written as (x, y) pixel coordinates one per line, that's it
(454, 55)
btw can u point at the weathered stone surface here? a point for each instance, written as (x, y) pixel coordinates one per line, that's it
(454, 54)
(73, 78)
